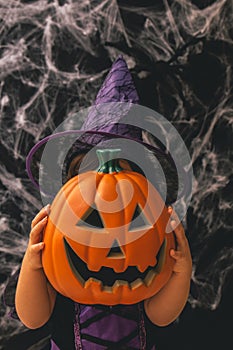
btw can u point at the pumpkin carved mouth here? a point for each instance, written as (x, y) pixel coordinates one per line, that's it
(108, 278)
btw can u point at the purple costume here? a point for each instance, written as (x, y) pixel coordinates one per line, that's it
(101, 327)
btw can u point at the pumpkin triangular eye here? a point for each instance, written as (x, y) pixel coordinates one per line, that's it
(138, 220)
(115, 251)
(91, 219)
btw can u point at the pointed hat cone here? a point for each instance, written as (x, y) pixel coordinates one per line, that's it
(118, 85)
(107, 114)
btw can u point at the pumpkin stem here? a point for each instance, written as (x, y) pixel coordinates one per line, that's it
(107, 161)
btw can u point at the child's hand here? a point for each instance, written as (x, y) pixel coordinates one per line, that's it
(35, 245)
(182, 255)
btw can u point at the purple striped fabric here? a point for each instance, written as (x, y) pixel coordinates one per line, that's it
(117, 327)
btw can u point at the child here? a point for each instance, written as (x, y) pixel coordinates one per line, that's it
(35, 297)
(37, 301)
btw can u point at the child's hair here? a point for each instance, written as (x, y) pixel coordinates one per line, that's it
(92, 164)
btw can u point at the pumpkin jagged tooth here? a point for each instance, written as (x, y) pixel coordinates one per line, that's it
(93, 281)
(144, 265)
(92, 266)
(153, 262)
(107, 289)
(149, 277)
(119, 284)
(137, 283)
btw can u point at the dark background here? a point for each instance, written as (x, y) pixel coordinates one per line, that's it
(54, 56)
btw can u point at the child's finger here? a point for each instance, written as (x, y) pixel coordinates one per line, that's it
(42, 213)
(36, 248)
(169, 228)
(169, 209)
(35, 234)
(176, 254)
(173, 216)
(180, 234)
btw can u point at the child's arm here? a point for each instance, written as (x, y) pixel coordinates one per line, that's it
(165, 306)
(35, 297)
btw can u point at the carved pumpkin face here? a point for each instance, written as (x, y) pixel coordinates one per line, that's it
(105, 241)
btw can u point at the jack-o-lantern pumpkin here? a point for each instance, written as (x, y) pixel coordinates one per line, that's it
(106, 240)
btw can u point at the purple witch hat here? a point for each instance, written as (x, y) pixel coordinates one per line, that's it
(105, 120)
(101, 122)
(118, 92)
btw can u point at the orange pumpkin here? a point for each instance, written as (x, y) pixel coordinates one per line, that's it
(105, 241)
